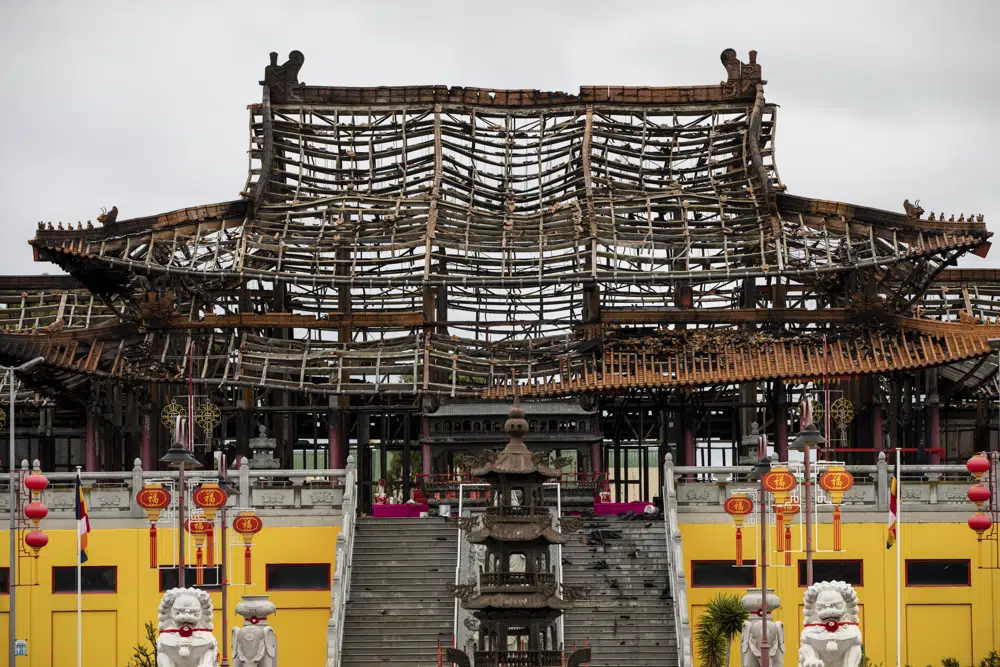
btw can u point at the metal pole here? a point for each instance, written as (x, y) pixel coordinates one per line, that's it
(12, 508)
(222, 568)
(180, 525)
(809, 511)
(764, 657)
(899, 550)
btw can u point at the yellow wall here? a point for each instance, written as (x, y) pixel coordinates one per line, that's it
(961, 622)
(113, 622)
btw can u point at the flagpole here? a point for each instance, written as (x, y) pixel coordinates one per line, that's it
(79, 578)
(899, 550)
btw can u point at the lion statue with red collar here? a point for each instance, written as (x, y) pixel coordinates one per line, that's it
(831, 636)
(185, 631)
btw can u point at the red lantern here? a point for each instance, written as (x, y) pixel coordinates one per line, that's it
(36, 512)
(36, 482)
(210, 498)
(199, 529)
(978, 465)
(979, 494)
(247, 524)
(738, 506)
(836, 481)
(980, 523)
(153, 498)
(36, 539)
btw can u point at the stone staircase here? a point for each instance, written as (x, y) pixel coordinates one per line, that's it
(626, 614)
(399, 599)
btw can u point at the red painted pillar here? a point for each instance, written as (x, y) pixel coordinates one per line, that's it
(425, 449)
(877, 441)
(147, 455)
(595, 457)
(90, 463)
(336, 455)
(934, 426)
(687, 419)
(781, 423)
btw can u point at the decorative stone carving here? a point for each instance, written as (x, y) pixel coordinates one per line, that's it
(263, 451)
(742, 77)
(913, 211)
(322, 497)
(284, 79)
(753, 631)
(830, 635)
(254, 644)
(185, 628)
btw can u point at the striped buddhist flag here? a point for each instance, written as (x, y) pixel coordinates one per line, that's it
(82, 520)
(893, 504)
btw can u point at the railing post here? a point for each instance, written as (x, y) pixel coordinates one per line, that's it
(245, 499)
(882, 483)
(135, 486)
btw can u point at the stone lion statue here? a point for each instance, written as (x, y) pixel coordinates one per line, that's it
(830, 635)
(185, 638)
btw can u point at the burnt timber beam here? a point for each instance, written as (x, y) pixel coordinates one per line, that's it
(726, 315)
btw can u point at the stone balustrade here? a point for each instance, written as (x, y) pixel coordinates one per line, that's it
(269, 492)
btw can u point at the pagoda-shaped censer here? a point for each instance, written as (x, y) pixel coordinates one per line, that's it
(517, 599)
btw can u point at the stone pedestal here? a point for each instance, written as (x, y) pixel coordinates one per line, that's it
(254, 644)
(753, 631)
(185, 630)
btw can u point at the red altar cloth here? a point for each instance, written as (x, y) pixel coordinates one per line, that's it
(620, 508)
(398, 511)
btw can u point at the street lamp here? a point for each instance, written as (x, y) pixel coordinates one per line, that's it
(757, 473)
(229, 489)
(807, 438)
(12, 508)
(177, 457)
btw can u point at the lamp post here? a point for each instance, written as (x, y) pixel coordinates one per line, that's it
(229, 488)
(762, 467)
(12, 508)
(177, 457)
(807, 438)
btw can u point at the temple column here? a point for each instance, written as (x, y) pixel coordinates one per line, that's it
(877, 438)
(90, 464)
(146, 442)
(933, 408)
(595, 457)
(780, 421)
(687, 433)
(425, 448)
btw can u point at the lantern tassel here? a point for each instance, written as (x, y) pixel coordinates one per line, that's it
(246, 565)
(780, 533)
(739, 546)
(836, 528)
(152, 546)
(788, 545)
(211, 546)
(200, 577)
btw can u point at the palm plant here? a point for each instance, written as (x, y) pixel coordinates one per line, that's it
(722, 621)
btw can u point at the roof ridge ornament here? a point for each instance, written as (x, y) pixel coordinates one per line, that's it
(283, 80)
(742, 77)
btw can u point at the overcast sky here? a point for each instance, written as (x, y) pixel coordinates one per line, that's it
(143, 105)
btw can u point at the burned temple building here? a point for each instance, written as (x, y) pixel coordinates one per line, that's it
(628, 253)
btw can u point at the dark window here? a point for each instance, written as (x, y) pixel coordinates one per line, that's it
(95, 579)
(298, 577)
(937, 573)
(723, 574)
(4, 580)
(169, 579)
(850, 571)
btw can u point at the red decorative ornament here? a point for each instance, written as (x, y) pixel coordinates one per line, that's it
(979, 494)
(247, 524)
(153, 498)
(199, 529)
(738, 506)
(36, 539)
(36, 512)
(978, 465)
(210, 498)
(980, 523)
(36, 482)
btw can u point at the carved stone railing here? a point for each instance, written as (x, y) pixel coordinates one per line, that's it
(518, 658)
(269, 492)
(517, 511)
(493, 582)
(938, 488)
(675, 571)
(342, 570)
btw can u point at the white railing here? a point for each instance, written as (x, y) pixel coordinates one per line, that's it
(675, 567)
(341, 592)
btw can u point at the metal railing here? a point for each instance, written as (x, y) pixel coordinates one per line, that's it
(675, 568)
(341, 590)
(523, 580)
